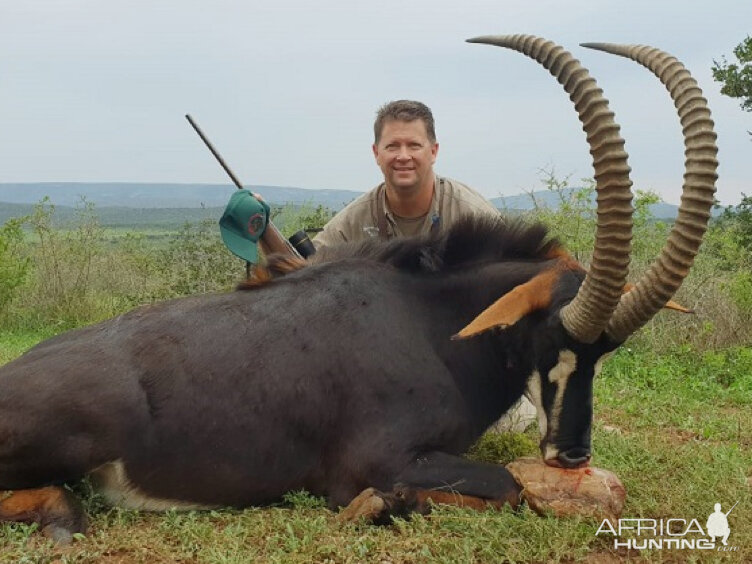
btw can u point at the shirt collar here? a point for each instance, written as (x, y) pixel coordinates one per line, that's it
(433, 210)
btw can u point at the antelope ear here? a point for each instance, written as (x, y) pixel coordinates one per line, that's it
(671, 304)
(531, 296)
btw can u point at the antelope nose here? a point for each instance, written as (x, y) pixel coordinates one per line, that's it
(574, 457)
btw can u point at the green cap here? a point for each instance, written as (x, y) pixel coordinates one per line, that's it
(243, 223)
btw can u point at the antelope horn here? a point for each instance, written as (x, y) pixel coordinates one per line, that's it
(587, 315)
(666, 274)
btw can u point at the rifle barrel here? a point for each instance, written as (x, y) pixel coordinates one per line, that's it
(214, 151)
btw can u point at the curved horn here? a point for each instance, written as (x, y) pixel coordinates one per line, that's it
(667, 273)
(586, 316)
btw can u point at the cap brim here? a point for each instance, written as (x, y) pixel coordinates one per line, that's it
(240, 246)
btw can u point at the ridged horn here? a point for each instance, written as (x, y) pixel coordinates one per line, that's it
(587, 315)
(666, 274)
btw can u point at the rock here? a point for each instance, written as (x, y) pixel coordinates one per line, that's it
(584, 491)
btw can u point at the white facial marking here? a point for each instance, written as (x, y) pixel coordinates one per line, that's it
(112, 481)
(559, 375)
(535, 395)
(564, 369)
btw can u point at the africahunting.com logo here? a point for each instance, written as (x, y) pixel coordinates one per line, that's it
(668, 534)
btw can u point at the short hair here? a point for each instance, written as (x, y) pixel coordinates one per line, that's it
(404, 110)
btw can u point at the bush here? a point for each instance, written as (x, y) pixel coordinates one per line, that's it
(66, 261)
(78, 275)
(290, 219)
(718, 288)
(740, 291)
(14, 261)
(573, 220)
(196, 262)
(737, 222)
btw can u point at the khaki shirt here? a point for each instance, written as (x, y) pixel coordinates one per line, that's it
(359, 219)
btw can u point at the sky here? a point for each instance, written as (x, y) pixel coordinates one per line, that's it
(95, 91)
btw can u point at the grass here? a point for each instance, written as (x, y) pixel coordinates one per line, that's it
(14, 343)
(676, 429)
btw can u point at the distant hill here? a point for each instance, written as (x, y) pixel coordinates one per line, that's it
(143, 218)
(549, 199)
(118, 203)
(132, 195)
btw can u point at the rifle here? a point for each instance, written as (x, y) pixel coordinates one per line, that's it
(732, 508)
(272, 241)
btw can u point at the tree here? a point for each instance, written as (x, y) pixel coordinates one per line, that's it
(737, 77)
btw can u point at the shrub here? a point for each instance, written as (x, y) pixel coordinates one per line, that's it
(65, 259)
(78, 275)
(290, 219)
(572, 221)
(197, 262)
(718, 288)
(14, 261)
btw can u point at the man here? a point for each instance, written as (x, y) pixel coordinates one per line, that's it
(412, 199)
(717, 524)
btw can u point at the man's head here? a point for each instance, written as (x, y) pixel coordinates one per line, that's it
(404, 110)
(405, 147)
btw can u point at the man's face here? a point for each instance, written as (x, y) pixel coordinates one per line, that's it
(405, 155)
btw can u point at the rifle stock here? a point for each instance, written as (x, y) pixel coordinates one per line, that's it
(272, 241)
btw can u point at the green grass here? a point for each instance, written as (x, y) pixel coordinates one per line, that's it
(14, 343)
(675, 428)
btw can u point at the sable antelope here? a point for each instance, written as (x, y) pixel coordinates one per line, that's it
(377, 369)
